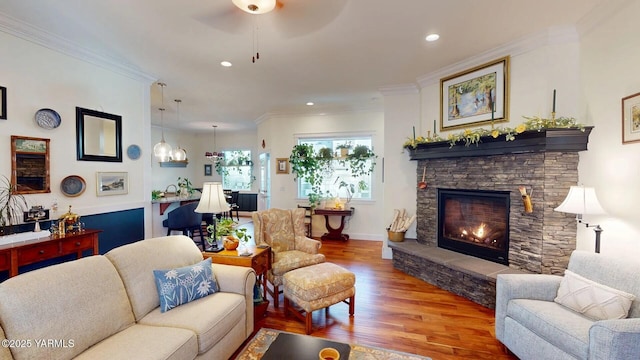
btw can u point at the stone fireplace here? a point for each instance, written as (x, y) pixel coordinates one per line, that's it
(544, 162)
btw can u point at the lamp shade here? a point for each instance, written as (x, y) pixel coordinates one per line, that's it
(162, 151)
(179, 154)
(581, 200)
(255, 6)
(212, 200)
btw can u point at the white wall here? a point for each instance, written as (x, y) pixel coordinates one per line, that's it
(37, 77)
(401, 113)
(280, 134)
(609, 71)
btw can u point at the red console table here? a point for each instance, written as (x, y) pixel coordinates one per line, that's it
(14, 255)
(334, 233)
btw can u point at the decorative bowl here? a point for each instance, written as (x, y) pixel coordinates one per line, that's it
(230, 243)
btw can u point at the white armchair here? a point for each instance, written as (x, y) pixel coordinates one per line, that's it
(533, 326)
(284, 231)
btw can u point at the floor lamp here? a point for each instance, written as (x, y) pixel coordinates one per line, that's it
(583, 201)
(213, 202)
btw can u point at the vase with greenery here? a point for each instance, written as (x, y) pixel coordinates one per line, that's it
(12, 205)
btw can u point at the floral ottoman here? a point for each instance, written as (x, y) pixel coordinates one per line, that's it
(318, 286)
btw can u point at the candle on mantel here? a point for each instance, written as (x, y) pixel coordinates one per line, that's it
(554, 100)
(434, 128)
(414, 133)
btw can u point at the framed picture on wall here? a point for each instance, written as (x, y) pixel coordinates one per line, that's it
(631, 119)
(112, 183)
(476, 96)
(208, 170)
(3, 103)
(282, 166)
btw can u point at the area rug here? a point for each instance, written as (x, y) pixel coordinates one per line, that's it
(259, 346)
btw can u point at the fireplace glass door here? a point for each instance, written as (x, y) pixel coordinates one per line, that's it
(474, 222)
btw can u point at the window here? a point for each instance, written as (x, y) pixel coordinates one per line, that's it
(236, 170)
(339, 182)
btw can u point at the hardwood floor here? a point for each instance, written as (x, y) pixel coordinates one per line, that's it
(397, 311)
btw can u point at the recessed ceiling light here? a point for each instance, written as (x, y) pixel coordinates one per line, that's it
(226, 64)
(310, 103)
(432, 37)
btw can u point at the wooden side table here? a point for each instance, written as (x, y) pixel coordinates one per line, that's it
(260, 261)
(334, 233)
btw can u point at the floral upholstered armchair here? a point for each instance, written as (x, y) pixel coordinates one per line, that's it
(284, 231)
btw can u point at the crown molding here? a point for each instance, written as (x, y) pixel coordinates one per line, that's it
(40, 37)
(550, 36)
(601, 13)
(399, 89)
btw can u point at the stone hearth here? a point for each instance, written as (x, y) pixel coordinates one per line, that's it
(539, 242)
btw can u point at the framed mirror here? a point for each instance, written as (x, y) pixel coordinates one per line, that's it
(98, 136)
(30, 165)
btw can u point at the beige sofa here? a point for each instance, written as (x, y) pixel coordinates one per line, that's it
(107, 307)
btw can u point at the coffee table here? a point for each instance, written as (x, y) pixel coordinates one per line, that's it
(269, 344)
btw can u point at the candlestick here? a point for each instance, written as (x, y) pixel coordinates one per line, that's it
(414, 133)
(434, 128)
(554, 101)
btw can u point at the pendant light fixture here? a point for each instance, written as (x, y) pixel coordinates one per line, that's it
(178, 154)
(214, 156)
(162, 150)
(255, 7)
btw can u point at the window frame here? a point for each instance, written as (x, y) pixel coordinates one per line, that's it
(355, 138)
(227, 169)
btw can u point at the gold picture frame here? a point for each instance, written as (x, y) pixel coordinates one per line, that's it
(282, 166)
(476, 96)
(631, 119)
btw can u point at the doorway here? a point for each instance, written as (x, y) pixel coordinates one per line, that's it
(264, 193)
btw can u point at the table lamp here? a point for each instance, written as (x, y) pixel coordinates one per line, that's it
(583, 201)
(213, 202)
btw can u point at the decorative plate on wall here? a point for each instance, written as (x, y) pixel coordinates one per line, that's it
(48, 119)
(133, 152)
(73, 185)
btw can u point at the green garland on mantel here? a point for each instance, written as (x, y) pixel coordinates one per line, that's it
(469, 136)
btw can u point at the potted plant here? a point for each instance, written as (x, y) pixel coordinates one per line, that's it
(222, 228)
(12, 205)
(344, 149)
(186, 188)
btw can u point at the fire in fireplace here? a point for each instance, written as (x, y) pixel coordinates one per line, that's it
(475, 222)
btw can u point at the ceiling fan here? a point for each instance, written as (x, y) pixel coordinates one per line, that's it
(290, 18)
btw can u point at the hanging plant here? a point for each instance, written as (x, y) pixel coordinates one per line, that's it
(361, 161)
(306, 165)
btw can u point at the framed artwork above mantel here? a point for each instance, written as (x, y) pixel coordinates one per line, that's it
(476, 96)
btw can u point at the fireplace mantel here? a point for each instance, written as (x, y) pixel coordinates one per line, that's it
(546, 140)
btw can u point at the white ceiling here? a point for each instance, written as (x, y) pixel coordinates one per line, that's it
(336, 53)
